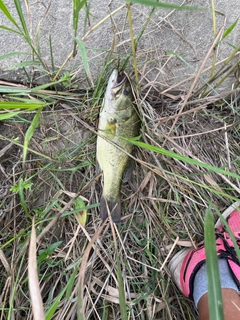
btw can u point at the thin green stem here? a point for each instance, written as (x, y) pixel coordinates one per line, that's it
(132, 43)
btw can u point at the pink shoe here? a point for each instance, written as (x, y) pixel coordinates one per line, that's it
(185, 264)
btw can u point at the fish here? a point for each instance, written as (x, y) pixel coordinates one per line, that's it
(118, 118)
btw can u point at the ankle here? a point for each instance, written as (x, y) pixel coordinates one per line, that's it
(231, 305)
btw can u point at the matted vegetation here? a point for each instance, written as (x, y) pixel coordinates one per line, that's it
(187, 160)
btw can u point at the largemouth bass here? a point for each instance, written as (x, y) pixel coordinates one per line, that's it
(118, 118)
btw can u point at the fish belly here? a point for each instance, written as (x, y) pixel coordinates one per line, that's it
(113, 162)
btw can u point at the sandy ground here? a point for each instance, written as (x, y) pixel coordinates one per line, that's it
(186, 33)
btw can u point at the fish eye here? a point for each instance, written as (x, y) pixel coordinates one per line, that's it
(127, 91)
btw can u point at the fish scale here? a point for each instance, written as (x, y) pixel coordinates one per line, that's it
(118, 118)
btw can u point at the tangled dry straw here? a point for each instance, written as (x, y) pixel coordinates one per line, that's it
(164, 205)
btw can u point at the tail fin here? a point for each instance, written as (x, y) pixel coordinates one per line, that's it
(114, 206)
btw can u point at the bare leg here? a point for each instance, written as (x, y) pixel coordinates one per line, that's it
(231, 305)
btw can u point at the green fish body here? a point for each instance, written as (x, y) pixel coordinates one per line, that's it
(118, 118)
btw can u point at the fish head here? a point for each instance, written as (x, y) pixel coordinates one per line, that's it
(118, 92)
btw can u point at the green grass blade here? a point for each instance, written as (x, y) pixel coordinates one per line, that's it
(201, 185)
(22, 20)
(9, 115)
(21, 105)
(22, 64)
(19, 269)
(21, 187)
(49, 314)
(44, 86)
(12, 54)
(24, 30)
(7, 13)
(28, 101)
(77, 6)
(167, 5)
(231, 45)
(180, 157)
(9, 89)
(230, 29)
(83, 53)
(214, 286)
(71, 281)
(144, 27)
(10, 29)
(37, 41)
(51, 55)
(122, 300)
(30, 132)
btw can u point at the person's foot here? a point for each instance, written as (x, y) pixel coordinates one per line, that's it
(185, 264)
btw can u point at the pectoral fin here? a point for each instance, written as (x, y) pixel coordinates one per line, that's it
(128, 172)
(112, 205)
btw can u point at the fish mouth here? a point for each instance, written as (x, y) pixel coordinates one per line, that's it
(115, 83)
(120, 79)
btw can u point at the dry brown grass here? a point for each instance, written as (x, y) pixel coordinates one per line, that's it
(164, 206)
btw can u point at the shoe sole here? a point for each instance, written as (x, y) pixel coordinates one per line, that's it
(175, 265)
